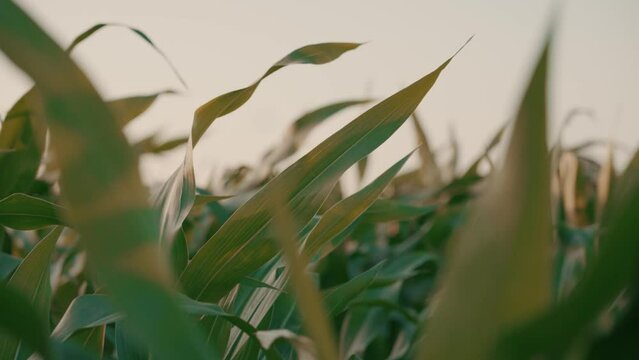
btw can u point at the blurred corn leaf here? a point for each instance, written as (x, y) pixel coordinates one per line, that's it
(337, 299)
(392, 210)
(92, 339)
(21, 321)
(8, 264)
(141, 34)
(242, 245)
(23, 138)
(312, 311)
(22, 135)
(498, 271)
(128, 108)
(176, 196)
(24, 212)
(612, 270)
(429, 171)
(31, 280)
(100, 185)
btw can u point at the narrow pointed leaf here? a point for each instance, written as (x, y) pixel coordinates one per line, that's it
(339, 217)
(100, 184)
(24, 212)
(20, 320)
(498, 271)
(242, 245)
(31, 279)
(176, 196)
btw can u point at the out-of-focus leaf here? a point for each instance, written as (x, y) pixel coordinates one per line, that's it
(126, 109)
(31, 279)
(498, 270)
(205, 199)
(472, 170)
(21, 321)
(299, 130)
(91, 339)
(8, 264)
(23, 137)
(612, 270)
(126, 346)
(362, 165)
(176, 196)
(241, 245)
(150, 145)
(24, 212)
(179, 253)
(605, 182)
(100, 184)
(337, 299)
(393, 210)
(429, 170)
(23, 132)
(314, 317)
(95, 28)
(89, 311)
(302, 345)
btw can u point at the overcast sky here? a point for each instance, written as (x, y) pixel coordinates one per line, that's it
(220, 46)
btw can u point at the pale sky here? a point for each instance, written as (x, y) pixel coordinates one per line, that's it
(221, 46)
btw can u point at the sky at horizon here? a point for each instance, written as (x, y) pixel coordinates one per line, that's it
(221, 46)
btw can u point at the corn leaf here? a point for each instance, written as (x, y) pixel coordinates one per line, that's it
(339, 217)
(100, 185)
(384, 210)
(176, 196)
(22, 321)
(498, 272)
(24, 212)
(337, 299)
(612, 270)
(242, 245)
(31, 279)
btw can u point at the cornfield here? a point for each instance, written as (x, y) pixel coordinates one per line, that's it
(529, 253)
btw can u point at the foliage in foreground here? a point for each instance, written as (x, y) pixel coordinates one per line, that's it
(533, 257)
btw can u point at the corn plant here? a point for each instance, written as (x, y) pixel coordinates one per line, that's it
(532, 256)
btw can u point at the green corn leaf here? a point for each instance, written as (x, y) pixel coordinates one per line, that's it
(100, 184)
(141, 34)
(499, 269)
(126, 346)
(337, 299)
(22, 135)
(429, 171)
(20, 319)
(613, 269)
(179, 253)
(242, 245)
(384, 210)
(31, 279)
(308, 299)
(128, 108)
(8, 264)
(89, 311)
(24, 212)
(339, 217)
(92, 339)
(176, 196)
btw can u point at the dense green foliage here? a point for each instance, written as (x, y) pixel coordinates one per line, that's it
(532, 256)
